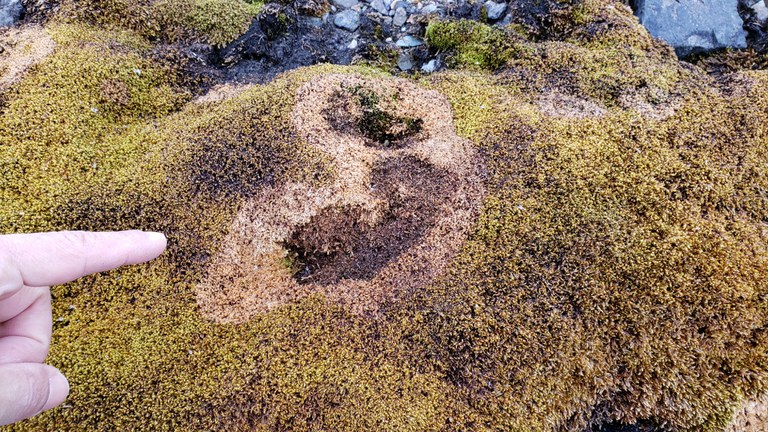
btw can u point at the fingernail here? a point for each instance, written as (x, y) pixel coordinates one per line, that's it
(156, 237)
(58, 389)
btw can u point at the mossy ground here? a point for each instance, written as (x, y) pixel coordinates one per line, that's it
(619, 271)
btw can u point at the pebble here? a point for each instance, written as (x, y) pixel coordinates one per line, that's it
(428, 9)
(409, 41)
(345, 3)
(430, 66)
(495, 10)
(400, 16)
(405, 61)
(347, 19)
(380, 7)
(760, 10)
(352, 45)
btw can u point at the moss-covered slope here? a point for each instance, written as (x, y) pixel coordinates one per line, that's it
(618, 271)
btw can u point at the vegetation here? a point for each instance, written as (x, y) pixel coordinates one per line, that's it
(618, 271)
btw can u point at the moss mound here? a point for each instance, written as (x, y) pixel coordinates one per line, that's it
(617, 272)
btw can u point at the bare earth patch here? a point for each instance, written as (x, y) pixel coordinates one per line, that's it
(406, 192)
(23, 48)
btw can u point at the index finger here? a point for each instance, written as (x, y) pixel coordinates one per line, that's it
(54, 258)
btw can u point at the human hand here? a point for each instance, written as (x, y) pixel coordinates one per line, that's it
(28, 264)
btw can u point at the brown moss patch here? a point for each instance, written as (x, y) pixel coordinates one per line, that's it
(389, 223)
(750, 416)
(23, 47)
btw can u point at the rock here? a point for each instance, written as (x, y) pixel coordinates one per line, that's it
(495, 10)
(346, 4)
(400, 16)
(430, 66)
(409, 41)
(380, 7)
(405, 61)
(761, 11)
(315, 22)
(352, 45)
(428, 9)
(10, 12)
(693, 26)
(347, 19)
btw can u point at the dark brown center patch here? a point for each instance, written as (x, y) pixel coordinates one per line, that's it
(336, 244)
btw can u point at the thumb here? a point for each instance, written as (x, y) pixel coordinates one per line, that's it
(27, 389)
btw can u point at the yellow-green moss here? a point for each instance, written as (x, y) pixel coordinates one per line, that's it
(476, 45)
(217, 22)
(618, 272)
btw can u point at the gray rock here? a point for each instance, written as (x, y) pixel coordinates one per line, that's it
(409, 41)
(430, 66)
(10, 12)
(506, 21)
(405, 61)
(761, 10)
(347, 19)
(692, 26)
(315, 22)
(345, 3)
(495, 10)
(428, 9)
(400, 16)
(380, 7)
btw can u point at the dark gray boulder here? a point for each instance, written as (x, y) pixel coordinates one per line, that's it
(693, 26)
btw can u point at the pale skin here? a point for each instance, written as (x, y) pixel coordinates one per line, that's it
(29, 265)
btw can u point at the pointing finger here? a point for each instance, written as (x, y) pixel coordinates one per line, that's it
(55, 258)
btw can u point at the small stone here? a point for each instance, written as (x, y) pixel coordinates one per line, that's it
(428, 9)
(315, 22)
(405, 61)
(495, 10)
(761, 11)
(380, 7)
(346, 4)
(430, 66)
(10, 12)
(409, 41)
(137, 71)
(400, 16)
(352, 45)
(347, 20)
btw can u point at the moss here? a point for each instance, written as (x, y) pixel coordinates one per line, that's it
(476, 45)
(216, 22)
(617, 273)
(221, 21)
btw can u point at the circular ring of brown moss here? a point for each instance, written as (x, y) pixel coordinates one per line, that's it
(405, 193)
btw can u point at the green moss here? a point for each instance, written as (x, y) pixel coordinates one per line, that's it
(221, 21)
(217, 22)
(476, 45)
